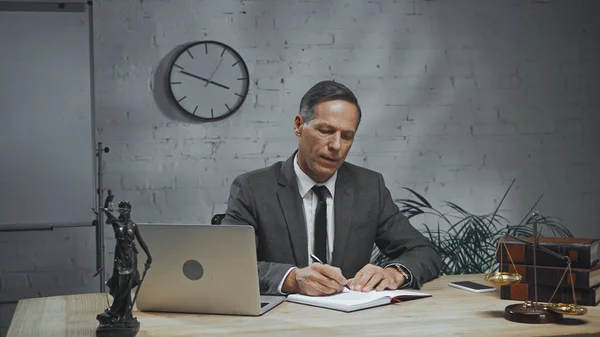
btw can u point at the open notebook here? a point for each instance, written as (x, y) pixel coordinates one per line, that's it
(350, 300)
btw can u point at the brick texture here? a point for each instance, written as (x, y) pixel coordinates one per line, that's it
(458, 99)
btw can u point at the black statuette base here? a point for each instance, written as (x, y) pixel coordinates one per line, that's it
(112, 327)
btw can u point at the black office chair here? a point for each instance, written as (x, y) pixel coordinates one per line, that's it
(216, 219)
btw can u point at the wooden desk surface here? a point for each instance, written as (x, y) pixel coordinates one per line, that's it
(449, 312)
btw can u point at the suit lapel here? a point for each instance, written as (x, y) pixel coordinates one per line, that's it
(343, 205)
(291, 206)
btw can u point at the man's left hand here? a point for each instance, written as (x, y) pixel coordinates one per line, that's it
(374, 277)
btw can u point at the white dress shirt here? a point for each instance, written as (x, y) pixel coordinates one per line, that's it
(309, 204)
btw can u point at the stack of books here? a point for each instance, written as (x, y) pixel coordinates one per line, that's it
(585, 270)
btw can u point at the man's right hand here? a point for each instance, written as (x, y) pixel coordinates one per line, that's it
(314, 280)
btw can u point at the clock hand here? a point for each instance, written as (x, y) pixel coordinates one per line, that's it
(219, 84)
(195, 76)
(204, 79)
(213, 73)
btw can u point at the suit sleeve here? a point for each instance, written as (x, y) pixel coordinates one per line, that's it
(400, 241)
(241, 210)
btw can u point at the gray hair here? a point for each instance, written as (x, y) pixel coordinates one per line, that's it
(326, 91)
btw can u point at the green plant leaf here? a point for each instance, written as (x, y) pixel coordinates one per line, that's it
(420, 197)
(469, 243)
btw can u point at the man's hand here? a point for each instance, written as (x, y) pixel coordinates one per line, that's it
(315, 280)
(374, 277)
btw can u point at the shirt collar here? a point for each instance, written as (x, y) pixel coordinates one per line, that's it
(305, 183)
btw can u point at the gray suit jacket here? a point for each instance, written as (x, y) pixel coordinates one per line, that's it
(268, 200)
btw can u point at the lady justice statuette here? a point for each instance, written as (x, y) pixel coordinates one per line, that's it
(117, 320)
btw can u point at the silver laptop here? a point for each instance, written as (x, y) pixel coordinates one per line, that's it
(208, 269)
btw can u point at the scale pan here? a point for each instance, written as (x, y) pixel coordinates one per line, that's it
(567, 309)
(502, 278)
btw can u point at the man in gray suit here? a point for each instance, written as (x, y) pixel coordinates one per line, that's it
(317, 217)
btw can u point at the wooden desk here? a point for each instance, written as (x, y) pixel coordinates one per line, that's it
(449, 312)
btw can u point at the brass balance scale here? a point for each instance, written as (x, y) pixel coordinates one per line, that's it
(533, 311)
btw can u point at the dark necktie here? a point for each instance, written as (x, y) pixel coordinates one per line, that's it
(320, 241)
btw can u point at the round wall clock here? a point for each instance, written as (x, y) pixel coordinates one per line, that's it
(208, 80)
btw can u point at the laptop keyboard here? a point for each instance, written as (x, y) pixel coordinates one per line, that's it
(263, 304)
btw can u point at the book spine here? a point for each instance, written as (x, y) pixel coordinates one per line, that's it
(520, 253)
(549, 276)
(524, 292)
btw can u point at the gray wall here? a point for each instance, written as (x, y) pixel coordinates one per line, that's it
(54, 169)
(459, 98)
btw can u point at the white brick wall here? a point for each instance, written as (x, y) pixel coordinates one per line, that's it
(44, 263)
(458, 98)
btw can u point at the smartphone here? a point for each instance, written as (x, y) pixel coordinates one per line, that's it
(472, 286)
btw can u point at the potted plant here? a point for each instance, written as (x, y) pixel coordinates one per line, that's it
(465, 241)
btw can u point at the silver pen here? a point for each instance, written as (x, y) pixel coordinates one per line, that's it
(316, 259)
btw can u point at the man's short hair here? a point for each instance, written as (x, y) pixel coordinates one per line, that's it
(326, 91)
